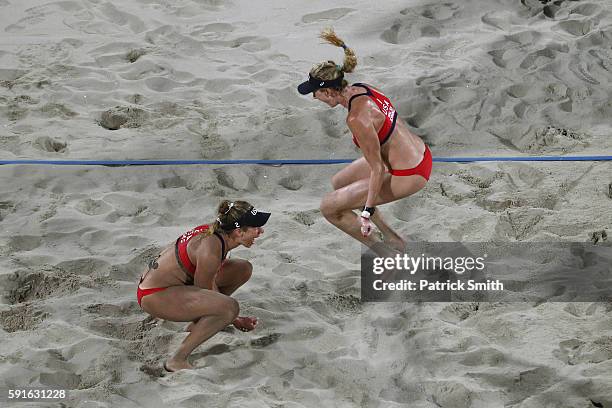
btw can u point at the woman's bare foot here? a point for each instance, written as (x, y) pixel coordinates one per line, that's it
(245, 323)
(173, 365)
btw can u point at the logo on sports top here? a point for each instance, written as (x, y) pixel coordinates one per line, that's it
(254, 211)
(322, 83)
(388, 109)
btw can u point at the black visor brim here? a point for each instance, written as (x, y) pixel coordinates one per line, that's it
(313, 84)
(306, 87)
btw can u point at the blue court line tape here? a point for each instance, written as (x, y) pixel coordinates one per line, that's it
(118, 163)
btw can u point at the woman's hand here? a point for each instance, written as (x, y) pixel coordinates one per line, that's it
(366, 226)
(244, 323)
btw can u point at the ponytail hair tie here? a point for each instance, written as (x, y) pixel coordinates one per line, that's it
(344, 46)
(229, 208)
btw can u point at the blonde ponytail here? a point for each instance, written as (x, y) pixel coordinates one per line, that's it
(350, 59)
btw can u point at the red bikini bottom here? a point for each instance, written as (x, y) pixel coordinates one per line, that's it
(422, 169)
(140, 293)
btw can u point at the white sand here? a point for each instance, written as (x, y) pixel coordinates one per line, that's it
(191, 79)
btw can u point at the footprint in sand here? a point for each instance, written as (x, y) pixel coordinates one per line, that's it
(122, 328)
(306, 218)
(518, 223)
(292, 182)
(434, 11)
(212, 145)
(247, 43)
(235, 179)
(134, 55)
(123, 117)
(345, 303)
(85, 266)
(173, 182)
(483, 356)
(456, 312)
(289, 125)
(580, 68)
(404, 32)
(518, 90)
(62, 380)
(8, 207)
(57, 110)
(265, 341)
(331, 14)
(117, 53)
(113, 310)
(587, 9)
(577, 28)
(576, 351)
(48, 144)
(251, 43)
(144, 69)
(90, 206)
(213, 29)
(26, 285)
(420, 21)
(501, 19)
(162, 84)
(115, 17)
(23, 317)
(19, 243)
(266, 75)
(449, 394)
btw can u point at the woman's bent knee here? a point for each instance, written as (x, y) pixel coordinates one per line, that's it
(327, 208)
(337, 181)
(248, 270)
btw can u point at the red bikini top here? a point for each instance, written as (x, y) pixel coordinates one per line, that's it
(181, 248)
(385, 106)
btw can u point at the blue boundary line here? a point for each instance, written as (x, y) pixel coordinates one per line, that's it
(118, 163)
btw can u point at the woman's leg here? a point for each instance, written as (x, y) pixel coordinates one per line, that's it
(360, 170)
(233, 274)
(357, 170)
(338, 206)
(212, 312)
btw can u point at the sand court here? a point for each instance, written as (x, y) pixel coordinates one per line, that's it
(86, 80)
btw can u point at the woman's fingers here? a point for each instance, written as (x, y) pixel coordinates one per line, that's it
(366, 227)
(244, 323)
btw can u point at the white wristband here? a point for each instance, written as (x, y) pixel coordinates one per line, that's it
(365, 214)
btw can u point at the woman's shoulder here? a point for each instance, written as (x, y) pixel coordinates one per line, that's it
(362, 107)
(207, 242)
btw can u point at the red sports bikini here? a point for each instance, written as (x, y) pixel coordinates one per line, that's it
(180, 250)
(384, 104)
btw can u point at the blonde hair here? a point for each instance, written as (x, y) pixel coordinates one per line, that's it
(228, 213)
(328, 70)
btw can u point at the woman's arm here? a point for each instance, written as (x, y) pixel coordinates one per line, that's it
(365, 133)
(207, 266)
